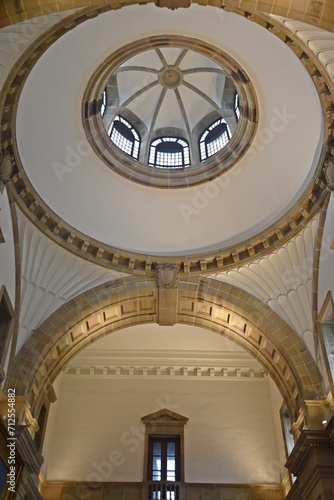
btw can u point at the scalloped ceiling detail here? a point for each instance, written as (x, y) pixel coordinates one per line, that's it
(284, 280)
(50, 276)
(321, 42)
(15, 39)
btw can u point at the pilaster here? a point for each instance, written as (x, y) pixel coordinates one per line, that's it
(18, 451)
(312, 415)
(23, 415)
(312, 463)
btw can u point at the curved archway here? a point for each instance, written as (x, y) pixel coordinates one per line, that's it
(203, 302)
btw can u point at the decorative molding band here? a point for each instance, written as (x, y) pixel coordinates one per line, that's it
(173, 4)
(178, 365)
(167, 356)
(167, 371)
(65, 235)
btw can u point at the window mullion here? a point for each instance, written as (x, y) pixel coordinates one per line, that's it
(164, 460)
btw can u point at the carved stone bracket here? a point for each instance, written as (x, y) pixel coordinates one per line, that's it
(23, 415)
(167, 275)
(6, 169)
(173, 4)
(167, 280)
(329, 172)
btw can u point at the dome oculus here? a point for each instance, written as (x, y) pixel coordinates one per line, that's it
(168, 115)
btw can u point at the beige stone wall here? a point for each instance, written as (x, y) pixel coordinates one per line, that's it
(98, 435)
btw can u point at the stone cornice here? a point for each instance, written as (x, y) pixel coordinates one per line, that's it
(168, 371)
(308, 440)
(178, 357)
(170, 364)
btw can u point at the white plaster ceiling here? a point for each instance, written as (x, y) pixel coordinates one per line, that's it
(111, 209)
(159, 106)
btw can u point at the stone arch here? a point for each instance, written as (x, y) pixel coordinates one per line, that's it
(203, 302)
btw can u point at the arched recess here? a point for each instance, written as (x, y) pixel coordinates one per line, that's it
(203, 302)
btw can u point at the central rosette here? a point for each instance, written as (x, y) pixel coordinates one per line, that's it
(171, 77)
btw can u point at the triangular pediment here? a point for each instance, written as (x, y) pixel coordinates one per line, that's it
(165, 416)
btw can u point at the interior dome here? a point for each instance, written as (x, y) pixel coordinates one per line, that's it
(71, 173)
(182, 111)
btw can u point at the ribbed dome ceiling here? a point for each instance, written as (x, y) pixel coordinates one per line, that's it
(171, 89)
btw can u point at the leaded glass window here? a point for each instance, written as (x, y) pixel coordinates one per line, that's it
(214, 138)
(170, 152)
(125, 136)
(236, 106)
(104, 102)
